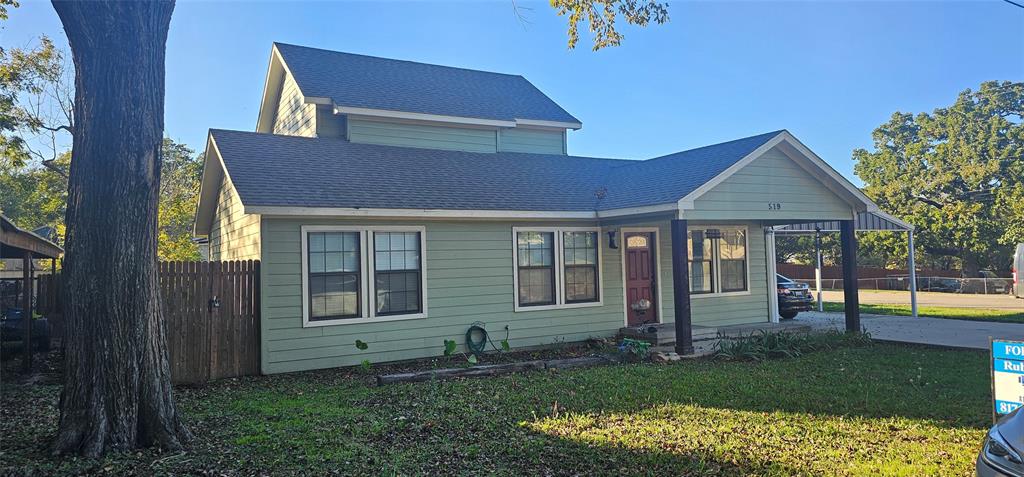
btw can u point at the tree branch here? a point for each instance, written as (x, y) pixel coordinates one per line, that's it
(933, 203)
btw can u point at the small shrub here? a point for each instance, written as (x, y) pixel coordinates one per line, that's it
(765, 345)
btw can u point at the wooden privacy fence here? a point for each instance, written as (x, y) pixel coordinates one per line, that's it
(212, 311)
(212, 314)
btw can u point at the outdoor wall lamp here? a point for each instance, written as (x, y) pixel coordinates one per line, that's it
(611, 240)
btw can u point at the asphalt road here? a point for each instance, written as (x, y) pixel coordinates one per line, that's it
(953, 300)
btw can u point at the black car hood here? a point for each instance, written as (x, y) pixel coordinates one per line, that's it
(1011, 427)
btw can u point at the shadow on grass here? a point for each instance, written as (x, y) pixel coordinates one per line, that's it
(691, 417)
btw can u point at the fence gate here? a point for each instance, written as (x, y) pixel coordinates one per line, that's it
(212, 314)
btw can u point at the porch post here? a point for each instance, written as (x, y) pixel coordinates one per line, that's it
(771, 259)
(26, 313)
(913, 273)
(851, 304)
(817, 267)
(681, 288)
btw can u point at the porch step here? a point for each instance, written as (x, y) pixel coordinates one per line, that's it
(662, 334)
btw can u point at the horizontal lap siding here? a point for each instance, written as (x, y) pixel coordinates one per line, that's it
(469, 278)
(770, 179)
(234, 234)
(737, 309)
(294, 117)
(709, 310)
(414, 135)
(532, 140)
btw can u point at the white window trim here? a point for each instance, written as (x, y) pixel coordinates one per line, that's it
(717, 260)
(367, 285)
(559, 265)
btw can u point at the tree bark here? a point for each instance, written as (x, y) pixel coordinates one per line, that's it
(117, 390)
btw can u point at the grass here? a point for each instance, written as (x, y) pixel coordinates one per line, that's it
(875, 409)
(973, 314)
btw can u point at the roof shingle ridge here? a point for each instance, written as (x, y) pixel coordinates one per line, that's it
(336, 52)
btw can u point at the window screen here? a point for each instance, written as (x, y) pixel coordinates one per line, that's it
(732, 252)
(333, 275)
(397, 268)
(536, 268)
(702, 262)
(580, 262)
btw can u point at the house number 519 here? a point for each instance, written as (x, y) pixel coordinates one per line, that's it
(774, 206)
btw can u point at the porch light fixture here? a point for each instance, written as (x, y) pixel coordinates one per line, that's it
(611, 240)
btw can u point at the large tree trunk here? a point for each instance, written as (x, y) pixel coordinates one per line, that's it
(117, 390)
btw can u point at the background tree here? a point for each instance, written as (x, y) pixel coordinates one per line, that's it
(179, 195)
(36, 113)
(117, 391)
(955, 174)
(601, 16)
(35, 196)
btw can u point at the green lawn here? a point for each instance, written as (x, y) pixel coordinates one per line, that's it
(881, 409)
(975, 314)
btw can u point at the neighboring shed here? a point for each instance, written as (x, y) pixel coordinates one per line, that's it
(19, 243)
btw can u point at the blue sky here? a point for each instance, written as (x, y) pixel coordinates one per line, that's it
(830, 72)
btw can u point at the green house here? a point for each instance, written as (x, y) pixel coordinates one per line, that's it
(398, 203)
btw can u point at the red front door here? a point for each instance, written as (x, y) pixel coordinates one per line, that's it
(640, 277)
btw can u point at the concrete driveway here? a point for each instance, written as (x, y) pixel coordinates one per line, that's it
(930, 331)
(952, 300)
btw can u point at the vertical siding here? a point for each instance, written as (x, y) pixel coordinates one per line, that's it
(417, 135)
(294, 117)
(531, 140)
(772, 178)
(469, 278)
(234, 235)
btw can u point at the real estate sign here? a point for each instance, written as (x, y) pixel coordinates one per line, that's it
(1007, 375)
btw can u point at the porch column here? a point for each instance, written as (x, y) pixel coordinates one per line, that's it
(26, 313)
(817, 267)
(681, 288)
(913, 273)
(771, 260)
(851, 304)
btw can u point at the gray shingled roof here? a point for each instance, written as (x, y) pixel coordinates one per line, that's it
(275, 170)
(395, 85)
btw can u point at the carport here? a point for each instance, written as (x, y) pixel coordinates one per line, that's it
(877, 221)
(17, 243)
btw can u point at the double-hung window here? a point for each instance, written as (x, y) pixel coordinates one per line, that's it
(334, 275)
(580, 251)
(397, 277)
(354, 274)
(718, 260)
(557, 267)
(536, 268)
